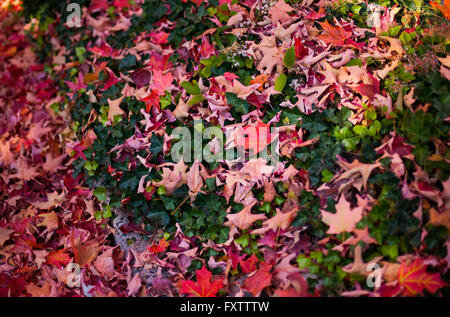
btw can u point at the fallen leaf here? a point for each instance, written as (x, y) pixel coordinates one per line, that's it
(58, 258)
(414, 278)
(335, 35)
(244, 219)
(259, 280)
(249, 265)
(281, 220)
(114, 108)
(345, 218)
(440, 218)
(203, 287)
(5, 234)
(50, 221)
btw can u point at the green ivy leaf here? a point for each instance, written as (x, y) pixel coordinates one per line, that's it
(191, 88)
(100, 193)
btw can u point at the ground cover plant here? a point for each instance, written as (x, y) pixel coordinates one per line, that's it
(343, 190)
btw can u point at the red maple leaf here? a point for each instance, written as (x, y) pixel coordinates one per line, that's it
(158, 37)
(160, 62)
(414, 278)
(161, 246)
(230, 76)
(254, 138)
(58, 258)
(203, 287)
(152, 100)
(161, 82)
(206, 49)
(260, 280)
(249, 265)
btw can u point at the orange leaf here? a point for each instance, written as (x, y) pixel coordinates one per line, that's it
(444, 8)
(335, 35)
(414, 278)
(58, 258)
(260, 79)
(158, 248)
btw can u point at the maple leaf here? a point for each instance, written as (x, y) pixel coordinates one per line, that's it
(335, 35)
(281, 220)
(249, 265)
(316, 15)
(158, 37)
(244, 219)
(105, 263)
(206, 49)
(270, 54)
(182, 110)
(257, 168)
(158, 248)
(58, 258)
(361, 235)
(279, 12)
(50, 220)
(160, 62)
(415, 278)
(203, 287)
(97, 5)
(235, 87)
(52, 164)
(230, 76)
(37, 130)
(357, 167)
(344, 219)
(53, 199)
(84, 254)
(269, 191)
(297, 287)
(161, 82)
(172, 178)
(114, 108)
(259, 280)
(24, 172)
(152, 100)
